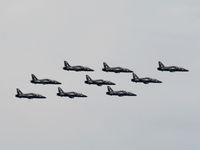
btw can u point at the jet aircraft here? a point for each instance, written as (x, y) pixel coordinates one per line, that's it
(75, 68)
(106, 68)
(35, 80)
(111, 92)
(98, 82)
(170, 68)
(61, 93)
(145, 80)
(28, 95)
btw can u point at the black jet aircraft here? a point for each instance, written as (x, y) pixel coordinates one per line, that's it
(35, 80)
(75, 68)
(170, 68)
(61, 93)
(98, 82)
(28, 95)
(145, 80)
(118, 93)
(106, 68)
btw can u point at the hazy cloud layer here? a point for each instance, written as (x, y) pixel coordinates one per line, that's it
(36, 36)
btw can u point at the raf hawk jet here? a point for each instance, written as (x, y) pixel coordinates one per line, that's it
(170, 68)
(75, 68)
(118, 93)
(35, 80)
(145, 80)
(28, 95)
(61, 93)
(98, 82)
(106, 68)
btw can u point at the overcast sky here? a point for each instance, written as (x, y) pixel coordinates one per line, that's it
(36, 36)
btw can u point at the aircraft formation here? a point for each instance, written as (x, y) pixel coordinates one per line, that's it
(98, 82)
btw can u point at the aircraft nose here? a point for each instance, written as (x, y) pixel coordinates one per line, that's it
(43, 96)
(58, 82)
(186, 70)
(130, 70)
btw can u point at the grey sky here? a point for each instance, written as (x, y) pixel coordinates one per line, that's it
(36, 36)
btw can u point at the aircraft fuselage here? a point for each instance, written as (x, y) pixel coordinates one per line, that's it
(172, 69)
(117, 70)
(77, 68)
(146, 80)
(71, 94)
(120, 93)
(30, 96)
(99, 82)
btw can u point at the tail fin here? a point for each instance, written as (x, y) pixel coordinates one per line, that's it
(110, 90)
(88, 78)
(135, 76)
(66, 64)
(105, 65)
(19, 92)
(33, 77)
(60, 90)
(160, 64)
